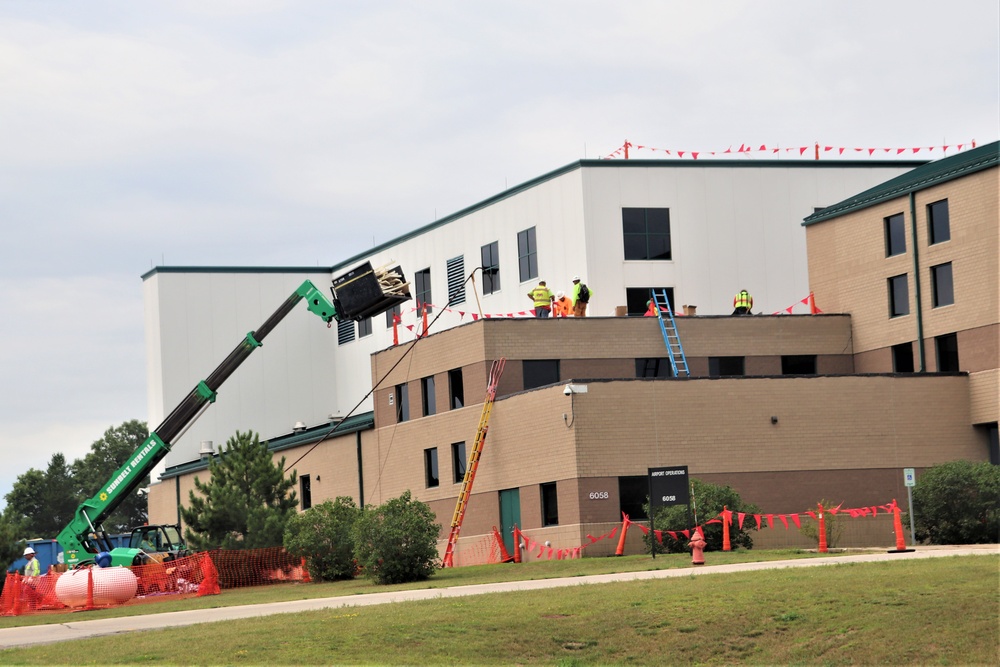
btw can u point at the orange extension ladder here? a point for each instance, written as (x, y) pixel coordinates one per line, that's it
(470, 471)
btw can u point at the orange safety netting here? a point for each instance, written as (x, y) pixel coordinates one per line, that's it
(205, 573)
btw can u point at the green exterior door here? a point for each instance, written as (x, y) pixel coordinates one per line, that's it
(510, 513)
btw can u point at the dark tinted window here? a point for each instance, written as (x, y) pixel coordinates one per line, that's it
(902, 358)
(402, 396)
(944, 288)
(456, 388)
(633, 492)
(422, 289)
(654, 367)
(540, 372)
(458, 461)
(899, 296)
(550, 505)
(798, 364)
(947, 353)
(895, 235)
(305, 491)
(527, 255)
(938, 221)
(725, 366)
(431, 466)
(491, 267)
(429, 400)
(646, 233)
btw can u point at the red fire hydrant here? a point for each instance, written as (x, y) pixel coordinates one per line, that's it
(697, 546)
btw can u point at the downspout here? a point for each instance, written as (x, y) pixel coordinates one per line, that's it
(361, 475)
(177, 485)
(916, 275)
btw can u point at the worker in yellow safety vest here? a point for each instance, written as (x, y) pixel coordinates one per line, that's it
(542, 298)
(742, 303)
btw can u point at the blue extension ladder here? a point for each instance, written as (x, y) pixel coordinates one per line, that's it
(670, 336)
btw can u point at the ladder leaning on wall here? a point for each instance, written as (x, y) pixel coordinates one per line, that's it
(473, 463)
(675, 351)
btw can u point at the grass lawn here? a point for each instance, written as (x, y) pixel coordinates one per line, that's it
(459, 576)
(935, 611)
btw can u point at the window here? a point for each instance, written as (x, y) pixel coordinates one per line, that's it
(422, 286)
(394, 311)
(798, 364)
(646, 232)
(947, 353)
(653, 368)
(456, 388)
(720, 367)
(633, 492)
(637, 297)
(456, 280)
(938, 221)
(902, 358)
(895, 235)
(540, 372)
(345, 331)
(550, 505)
(428, 399)
(458, 461)
(402, 403)
(305, 490)
(899, 296)
(941, 282)
(431, 467)
(365, 327)
(527, 255)
(491, 267)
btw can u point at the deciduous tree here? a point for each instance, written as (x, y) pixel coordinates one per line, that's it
(106, 455)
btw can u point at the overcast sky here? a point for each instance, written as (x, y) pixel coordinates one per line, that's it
(271, 133)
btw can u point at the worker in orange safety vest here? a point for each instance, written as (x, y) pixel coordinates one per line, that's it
(562, 306)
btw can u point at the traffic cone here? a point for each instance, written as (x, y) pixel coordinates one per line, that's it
(726, 516)
(504, 556)
(90, 590)
(621, 538)
(897, 525)
(517, 544)
(822, 530)
(306, 579)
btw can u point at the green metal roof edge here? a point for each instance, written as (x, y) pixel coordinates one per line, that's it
(234, 269)
(921, 178)
(364, 421)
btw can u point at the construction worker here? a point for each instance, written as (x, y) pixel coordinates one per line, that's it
(742, 303)
(542, 298)
(562, 306)
(581, 297)
(31, 568)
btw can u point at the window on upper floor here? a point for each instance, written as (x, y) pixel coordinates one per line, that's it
(527, 255)
(540, 372)
(899, 296)
(431, 467)
(798, 364)
(456, 388)
(305, 491)
(720, 367)
(895, 235)
(902, 358)
(938, 221)
(456, 280)
(422, 289)
(646, 233)
(943, 289)
(394, 312)
(458, 461)
(491, 267)
(345, 331)
(402, 396)
(550, 504)
(653, 367)
(947, 353)
(429, 401)
(365, 327)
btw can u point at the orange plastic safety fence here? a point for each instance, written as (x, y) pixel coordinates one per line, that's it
(483, 551)
(205, 573)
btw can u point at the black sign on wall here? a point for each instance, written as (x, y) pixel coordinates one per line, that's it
(669, 486)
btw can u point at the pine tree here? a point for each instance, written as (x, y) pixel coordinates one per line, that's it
(247, 501)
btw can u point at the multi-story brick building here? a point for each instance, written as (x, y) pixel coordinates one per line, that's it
(788, 410)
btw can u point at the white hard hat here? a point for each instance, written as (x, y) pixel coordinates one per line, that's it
(576, 279)
(560, 295)
(28, 550)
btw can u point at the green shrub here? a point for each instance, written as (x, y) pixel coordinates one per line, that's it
(396, 542)
(709, 500)
(834, 527)
(958, 503)
(322, 535)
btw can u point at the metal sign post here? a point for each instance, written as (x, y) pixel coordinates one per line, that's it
(910, 480)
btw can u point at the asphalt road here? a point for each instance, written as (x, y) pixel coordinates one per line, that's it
(47, 634)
